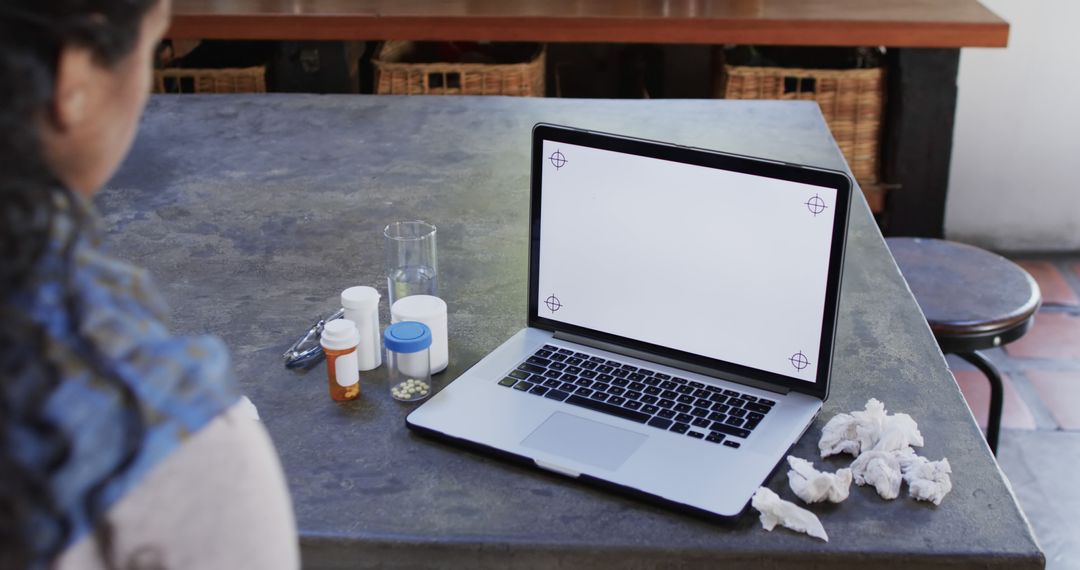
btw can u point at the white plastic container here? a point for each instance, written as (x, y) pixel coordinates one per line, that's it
(431, 311)
(338, 340)
(408, 358)
(361, 306)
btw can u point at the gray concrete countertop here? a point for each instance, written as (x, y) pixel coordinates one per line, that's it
(254, 212)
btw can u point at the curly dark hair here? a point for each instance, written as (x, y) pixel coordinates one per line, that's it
(33, 201)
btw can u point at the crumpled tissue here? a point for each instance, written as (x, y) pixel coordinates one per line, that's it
(838, 436)
(928, 480)
(870, 429)
(898, 432)
(868, 424)
(775, 510)
(813, 486)
(882, 447)
(880, 469)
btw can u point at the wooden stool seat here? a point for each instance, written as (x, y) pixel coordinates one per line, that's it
(973, 300)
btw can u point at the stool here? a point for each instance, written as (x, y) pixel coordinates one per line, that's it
(973, 300)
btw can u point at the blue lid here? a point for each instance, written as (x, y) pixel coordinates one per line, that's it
(407, 336)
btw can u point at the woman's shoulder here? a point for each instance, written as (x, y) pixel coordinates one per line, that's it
(123, 381)
(121, 346)
(219, 501)
(122, 323)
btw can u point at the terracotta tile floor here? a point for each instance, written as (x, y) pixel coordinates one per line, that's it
(1041, 370)
(1041, 418)
(1060, 391)
(1055, 288)
(1055, 335)
(1015, 413)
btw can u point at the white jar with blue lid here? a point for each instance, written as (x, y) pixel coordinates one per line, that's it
(408, 356)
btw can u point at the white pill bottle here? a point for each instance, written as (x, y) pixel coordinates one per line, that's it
(408, 358)
(361, 306)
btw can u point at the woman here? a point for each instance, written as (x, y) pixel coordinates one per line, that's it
(120, 446)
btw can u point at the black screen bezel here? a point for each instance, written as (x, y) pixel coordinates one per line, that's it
(711, 159)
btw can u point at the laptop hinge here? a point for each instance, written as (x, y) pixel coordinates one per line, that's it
(658, 359)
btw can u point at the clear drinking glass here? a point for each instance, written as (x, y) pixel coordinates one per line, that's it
(412, 266)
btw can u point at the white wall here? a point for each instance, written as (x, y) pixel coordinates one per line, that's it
(1015, 179)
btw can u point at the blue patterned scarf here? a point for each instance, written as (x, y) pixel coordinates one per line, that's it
(181, 383)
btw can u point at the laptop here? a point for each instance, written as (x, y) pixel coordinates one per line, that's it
(682, 311)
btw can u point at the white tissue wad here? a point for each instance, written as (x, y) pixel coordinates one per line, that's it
(871, 428)
(868, 424)
(928, 480)
(879, 469)
(813, 486)
(838, 436)
(897, 432)
(776, 511)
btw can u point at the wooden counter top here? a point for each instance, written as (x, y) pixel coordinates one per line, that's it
(893, 23)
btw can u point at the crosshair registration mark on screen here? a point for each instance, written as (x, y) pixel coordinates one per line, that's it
(816, 205)
(553, 303)
(799, 361)
(558, 159)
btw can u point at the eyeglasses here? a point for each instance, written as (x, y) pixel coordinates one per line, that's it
(306, 351)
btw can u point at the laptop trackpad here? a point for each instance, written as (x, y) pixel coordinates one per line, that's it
(585, 441)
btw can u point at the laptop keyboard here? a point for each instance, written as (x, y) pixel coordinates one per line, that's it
(644, 396)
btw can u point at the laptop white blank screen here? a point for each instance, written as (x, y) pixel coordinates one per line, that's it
(715, 263)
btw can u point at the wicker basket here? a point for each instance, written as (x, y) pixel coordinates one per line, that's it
(852, 101)
(228, 80)
(395, 74)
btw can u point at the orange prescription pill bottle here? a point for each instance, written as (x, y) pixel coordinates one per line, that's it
(339, 341)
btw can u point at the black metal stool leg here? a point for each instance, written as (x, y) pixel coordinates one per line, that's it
(997, 395)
